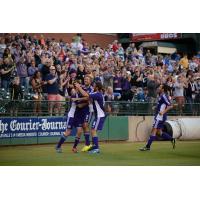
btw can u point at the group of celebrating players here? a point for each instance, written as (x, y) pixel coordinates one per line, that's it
(88, 100)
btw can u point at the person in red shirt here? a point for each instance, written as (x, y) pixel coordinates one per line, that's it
(115, 46)
(42, 41)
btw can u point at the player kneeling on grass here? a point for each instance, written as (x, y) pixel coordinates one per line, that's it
(74, 119)
(163, 106)
(99, 114)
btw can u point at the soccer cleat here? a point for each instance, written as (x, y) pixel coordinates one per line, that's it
(144, 149)
(94, 151)
(74, 150)
(173, 141)
(58, 150)
(86, 148)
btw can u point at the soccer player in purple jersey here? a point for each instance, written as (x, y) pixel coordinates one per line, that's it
(163, 106)
(99, 114)
(86, 111)
(75, 118)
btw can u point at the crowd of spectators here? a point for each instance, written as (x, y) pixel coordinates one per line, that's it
(47, 68)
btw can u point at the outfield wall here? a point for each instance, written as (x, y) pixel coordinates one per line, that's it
(41, 130)
(140, 127)
(18, 131)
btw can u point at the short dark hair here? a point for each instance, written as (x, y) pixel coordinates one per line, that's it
(166, 88)
(99, 85)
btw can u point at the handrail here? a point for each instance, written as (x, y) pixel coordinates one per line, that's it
(42, 108)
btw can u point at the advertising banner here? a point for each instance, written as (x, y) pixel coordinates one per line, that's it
(140, 37)
(32, 127)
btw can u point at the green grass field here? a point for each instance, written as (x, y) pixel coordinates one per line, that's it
(187, 153)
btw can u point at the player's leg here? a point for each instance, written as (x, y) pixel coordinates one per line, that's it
(95, 142)
(86, 130)
(77, 139)
(168, 137)
(152, 137)
(86, 136)
(97, 125)
(62, 140)
(86, 133)
(65, 134)
(78, 123)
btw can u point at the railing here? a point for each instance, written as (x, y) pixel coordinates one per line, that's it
(120, 108)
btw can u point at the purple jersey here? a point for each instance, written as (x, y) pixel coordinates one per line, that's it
(98, 104)
(75, 118)
(86, 109)
(162, 104)
(88, 89)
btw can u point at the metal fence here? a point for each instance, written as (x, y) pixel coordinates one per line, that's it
(118, 108)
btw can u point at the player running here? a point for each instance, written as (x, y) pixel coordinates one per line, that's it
(163, 106)
(99, 114)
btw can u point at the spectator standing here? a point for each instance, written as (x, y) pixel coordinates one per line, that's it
(179, 86)
(53, 91)
(184, 62)
(22, 72)
(193, 65)
(148, 57)
(170, 84)
(80, 73)
(127, 94)
(7, 54)
(117, 82)
(191, 92)
(6, 71)
(16, 95)
(36, 83)
(115, 46)
(108, 77)
(137, 79)
(109, 96)
(63, 83)
(120, 51)
(32, 69)
(152, 86)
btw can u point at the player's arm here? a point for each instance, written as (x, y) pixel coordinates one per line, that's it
(80, 99)
(167, 109)
(83, 92)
